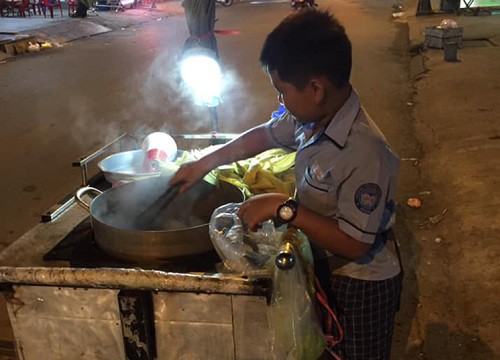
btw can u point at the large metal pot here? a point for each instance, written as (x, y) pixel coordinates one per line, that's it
(180, 229)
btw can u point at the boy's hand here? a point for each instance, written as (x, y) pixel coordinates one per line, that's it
(260, 208)
(189, 173)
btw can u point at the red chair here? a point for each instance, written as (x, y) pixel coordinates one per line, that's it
(9, 6)
(50, 4)
(72, 5)
(34, 5)
(3, 8)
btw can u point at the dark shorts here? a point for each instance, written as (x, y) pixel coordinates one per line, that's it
(366, 311)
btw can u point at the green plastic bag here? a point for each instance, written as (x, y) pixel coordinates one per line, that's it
(296, 331)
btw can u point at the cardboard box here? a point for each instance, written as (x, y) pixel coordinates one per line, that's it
(436, 38)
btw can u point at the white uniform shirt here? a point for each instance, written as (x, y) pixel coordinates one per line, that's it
(348, 172)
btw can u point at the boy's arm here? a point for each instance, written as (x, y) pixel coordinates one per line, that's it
(248, 144)
(325, 231)
(327, 234)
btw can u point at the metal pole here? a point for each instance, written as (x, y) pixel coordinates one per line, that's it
(84, 175)
(214, 119)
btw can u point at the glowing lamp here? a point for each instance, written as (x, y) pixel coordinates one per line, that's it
(201, 72)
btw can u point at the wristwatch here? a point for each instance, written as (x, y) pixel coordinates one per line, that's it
(287, 211)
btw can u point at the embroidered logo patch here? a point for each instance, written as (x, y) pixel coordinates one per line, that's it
(317, 171)
(367, 197)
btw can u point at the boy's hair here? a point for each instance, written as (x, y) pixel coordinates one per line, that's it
(308, 43)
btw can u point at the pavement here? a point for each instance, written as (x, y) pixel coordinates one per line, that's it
(452, 261)
(475, 27)
(60, 30)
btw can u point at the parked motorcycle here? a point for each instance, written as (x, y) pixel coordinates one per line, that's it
(224, 2)
(296, 4)
(303, 4)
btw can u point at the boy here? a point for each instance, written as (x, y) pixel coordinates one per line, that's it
(345, 177)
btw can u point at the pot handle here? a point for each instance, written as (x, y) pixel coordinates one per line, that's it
(79, 194)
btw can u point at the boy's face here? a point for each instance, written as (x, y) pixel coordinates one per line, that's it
(300, 103)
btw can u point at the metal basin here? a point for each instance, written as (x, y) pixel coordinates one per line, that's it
(126, 166)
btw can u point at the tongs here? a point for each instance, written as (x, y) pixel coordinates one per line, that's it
(157, 206)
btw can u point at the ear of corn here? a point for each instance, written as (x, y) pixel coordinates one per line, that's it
(270, 171)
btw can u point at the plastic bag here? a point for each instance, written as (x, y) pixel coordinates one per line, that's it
(447, 24)
(295, 328)
(241, 250)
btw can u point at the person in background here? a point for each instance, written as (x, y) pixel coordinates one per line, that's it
(200, 19)
(345, 177)
(81, 9)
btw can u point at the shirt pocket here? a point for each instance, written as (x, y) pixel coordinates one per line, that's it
(317, 195)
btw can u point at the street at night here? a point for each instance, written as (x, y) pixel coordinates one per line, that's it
(60, 104)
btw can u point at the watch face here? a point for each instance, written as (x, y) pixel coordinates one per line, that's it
(286, 213)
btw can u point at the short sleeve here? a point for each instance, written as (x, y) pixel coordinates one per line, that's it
(282, 131)
(363, 195)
